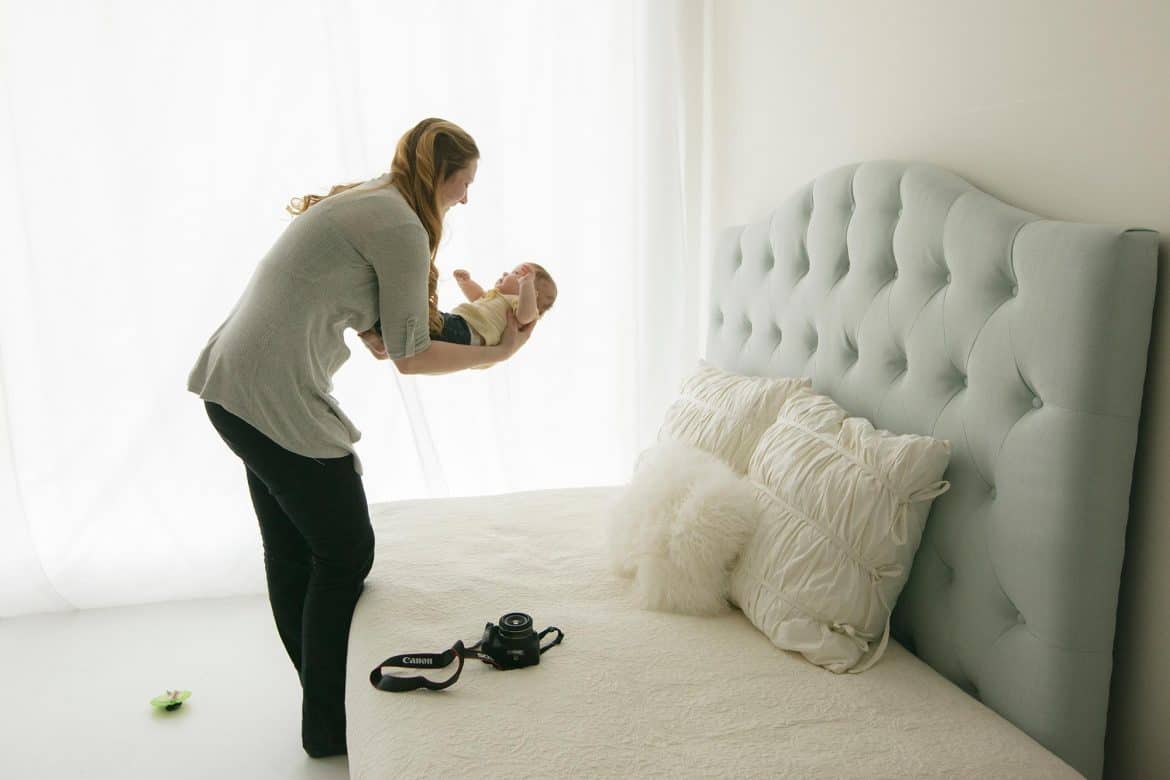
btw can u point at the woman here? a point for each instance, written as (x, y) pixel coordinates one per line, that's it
(363, 252)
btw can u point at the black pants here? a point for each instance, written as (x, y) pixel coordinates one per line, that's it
(318, 549)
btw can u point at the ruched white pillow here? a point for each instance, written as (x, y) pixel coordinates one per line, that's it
(678, 528)
(844, 508)
(724, 413)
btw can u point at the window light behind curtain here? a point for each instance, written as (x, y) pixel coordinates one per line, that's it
(147, 150)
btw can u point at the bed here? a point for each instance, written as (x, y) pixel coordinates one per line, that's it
(915, 300)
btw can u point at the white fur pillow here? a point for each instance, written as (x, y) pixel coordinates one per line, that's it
(724, 413)
(678, 528)
(845, 506)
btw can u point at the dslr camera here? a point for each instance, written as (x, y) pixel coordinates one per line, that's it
(513, 643)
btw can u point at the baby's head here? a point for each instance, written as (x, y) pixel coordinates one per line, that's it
(546, 288)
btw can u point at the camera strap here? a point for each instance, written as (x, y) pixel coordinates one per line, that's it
(383, 681)
(555, 642)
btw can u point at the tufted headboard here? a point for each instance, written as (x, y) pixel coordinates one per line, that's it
(928, 306)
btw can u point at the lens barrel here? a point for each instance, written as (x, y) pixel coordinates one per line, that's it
(515, 625)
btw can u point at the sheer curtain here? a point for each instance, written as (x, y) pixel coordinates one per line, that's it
(147, 150)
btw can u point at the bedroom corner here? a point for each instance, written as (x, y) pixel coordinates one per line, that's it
(818, 392)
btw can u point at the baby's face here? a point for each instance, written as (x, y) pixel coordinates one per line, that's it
(509, 281)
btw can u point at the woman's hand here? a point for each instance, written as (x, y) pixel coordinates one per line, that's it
(514, 335)
(374, 343)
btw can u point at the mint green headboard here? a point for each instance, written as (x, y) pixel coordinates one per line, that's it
(928, 306)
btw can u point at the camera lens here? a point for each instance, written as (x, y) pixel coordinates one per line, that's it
(515, 625)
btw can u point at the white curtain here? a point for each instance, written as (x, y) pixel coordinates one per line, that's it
(147, 150)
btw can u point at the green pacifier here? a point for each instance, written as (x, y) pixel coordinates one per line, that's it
(171, 700)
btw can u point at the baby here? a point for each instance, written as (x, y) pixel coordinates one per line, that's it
(527, 289)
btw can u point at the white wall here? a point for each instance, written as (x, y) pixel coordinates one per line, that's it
(1059, 107)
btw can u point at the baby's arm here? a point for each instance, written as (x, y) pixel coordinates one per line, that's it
(470, 289)
(526, 308)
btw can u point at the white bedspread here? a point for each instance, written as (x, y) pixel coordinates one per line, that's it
(628, 693)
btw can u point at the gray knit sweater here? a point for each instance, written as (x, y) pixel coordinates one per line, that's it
(349, 260)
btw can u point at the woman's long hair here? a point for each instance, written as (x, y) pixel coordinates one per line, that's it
(426, 155)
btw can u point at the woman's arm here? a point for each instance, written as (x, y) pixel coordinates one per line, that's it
(443, 358)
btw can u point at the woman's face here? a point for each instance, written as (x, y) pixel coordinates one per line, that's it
(454, 189)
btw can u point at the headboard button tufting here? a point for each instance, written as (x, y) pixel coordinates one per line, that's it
(1090, 285)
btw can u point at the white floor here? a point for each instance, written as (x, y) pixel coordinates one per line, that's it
(75, 691)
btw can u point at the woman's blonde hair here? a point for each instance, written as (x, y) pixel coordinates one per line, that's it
(426, 156)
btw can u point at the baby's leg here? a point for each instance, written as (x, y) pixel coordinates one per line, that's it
(457, 331)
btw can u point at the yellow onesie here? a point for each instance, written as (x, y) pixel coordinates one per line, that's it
(488, 316)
